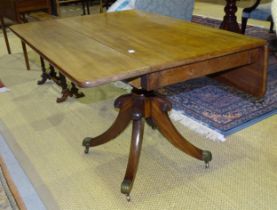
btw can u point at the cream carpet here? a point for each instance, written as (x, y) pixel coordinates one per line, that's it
(46, 138)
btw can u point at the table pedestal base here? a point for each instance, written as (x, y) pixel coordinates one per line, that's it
(136, 107)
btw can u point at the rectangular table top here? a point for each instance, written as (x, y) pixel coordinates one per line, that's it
(97, 49)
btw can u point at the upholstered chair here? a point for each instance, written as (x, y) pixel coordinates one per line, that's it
(181, 9)
(258, 11)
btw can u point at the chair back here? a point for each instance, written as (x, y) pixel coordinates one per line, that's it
(181, 9)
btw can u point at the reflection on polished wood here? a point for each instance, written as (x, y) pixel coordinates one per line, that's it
(148, 51)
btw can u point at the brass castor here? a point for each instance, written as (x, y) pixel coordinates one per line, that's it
(86, 144)
(126, 187)
(207, 157)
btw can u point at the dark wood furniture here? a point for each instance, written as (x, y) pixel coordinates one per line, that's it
(230, 20)
(107, 3)
(148, 51)
(15, 10)
(250, 9)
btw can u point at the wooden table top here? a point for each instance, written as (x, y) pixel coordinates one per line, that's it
(98, 49)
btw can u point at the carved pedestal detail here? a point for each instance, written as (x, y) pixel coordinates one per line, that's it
(136, 107)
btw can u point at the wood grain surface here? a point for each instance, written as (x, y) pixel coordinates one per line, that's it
(97, 49)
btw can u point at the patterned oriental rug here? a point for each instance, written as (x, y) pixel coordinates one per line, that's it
(215, 110)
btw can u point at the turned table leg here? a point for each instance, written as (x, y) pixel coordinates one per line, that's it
(44, 75)
(230, 20)
(65, 91)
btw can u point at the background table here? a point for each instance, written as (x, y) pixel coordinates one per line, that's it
(15, 10)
